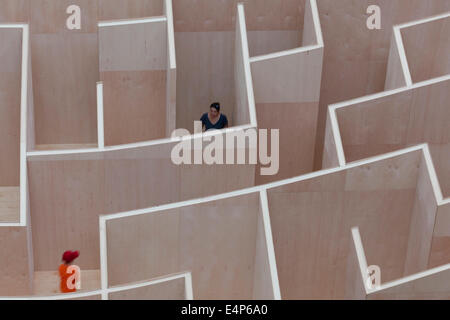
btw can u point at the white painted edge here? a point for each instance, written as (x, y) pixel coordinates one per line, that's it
(170, 33)
(247, 69)
(13, 25)
(411, 278)
(283, 53)
(403, 58)
(100, 117)
(319, 40)
(23, 124)
(360, 254)
(138, 285)
(103, 258)
(363, 267)
(317, 26)
(337, 136)
(425, 20)
(389, 92)
(122, 22)
(433, 176)
(106, 292)
(270, 246)
(141, 144)
(189, 292)
(256, 189)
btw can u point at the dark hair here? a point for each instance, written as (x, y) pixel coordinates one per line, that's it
(215, 105)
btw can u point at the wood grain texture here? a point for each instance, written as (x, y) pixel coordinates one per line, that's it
(10, 84)
(217, 15)
(168, 290)
(287, 95)
(81, 187)
(427, 49)
(15, 278)
(134, 106)
(440, 247)
(396, 121)
(9, 204)
(395, 77)
(130, 9)
(311, 223)
(422, 223)
(358, 67)
(219, 271)
(433, 287)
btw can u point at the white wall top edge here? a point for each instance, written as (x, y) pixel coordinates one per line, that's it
(13, 25)
(23, 209)
(258, 189)
(410, 278)
(361, 256)
(170, 33)
(99, 292)
(147, 283)
(403, 58)
(388, 93)
(416, 22)
(121, 22)
(284, 53)
(269, 245)
(140, 144)
(337, 136)
(247, 69)
(433, 175)
(317, 26)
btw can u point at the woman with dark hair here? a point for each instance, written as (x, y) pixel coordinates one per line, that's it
(214, 119)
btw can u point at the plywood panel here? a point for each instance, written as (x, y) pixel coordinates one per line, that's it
(287, 94)
(119, 9)
(216, 15)
(311, 222)
(168, 290)
(14, 10)
(15, 279)
(78, 188)
(205, 64)
(440, 247)
(428, 49)
(270, 41)
(395, 77)
(422, 223)
(133, 47)
(183, 239)
(359, 67)
(10, 90)
(133, 68)
(65, 93)
(9, 204)
(399, 120)
(134, 106)
(330, 155)
(432, 287)
(263, 287)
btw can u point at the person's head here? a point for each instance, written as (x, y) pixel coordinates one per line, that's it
(69, 256)
(214, 110)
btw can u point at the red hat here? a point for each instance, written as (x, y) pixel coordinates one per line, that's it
(69, 256)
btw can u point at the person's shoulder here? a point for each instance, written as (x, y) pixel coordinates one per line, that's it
(204, 116)
(224, 117)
